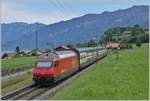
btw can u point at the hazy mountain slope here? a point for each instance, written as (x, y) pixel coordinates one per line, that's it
(14, 31)
(83, 28)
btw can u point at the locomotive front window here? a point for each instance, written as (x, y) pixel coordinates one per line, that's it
(44, 64)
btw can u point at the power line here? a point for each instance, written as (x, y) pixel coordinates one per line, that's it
(64, 5)
(63, 8)
(69, 8)
(55, 6)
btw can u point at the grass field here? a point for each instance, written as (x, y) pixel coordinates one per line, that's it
(16, 82)
(17, 63)
(127, 78)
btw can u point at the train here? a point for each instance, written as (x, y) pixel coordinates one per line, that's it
(55, 66)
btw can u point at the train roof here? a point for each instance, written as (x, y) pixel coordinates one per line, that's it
(58, 54)
(68, 53)
(63, 54)
(89, 49)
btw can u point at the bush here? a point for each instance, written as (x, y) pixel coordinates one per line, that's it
(34, 54)
(124, 44)
(130, 46)
(138, 43)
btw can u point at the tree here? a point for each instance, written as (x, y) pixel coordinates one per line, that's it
(138, 43)
(144, 37)
(132, 39)
(136, 30)
(34, 54)
(71, 46)
(130, 46)
(124, 43)
(91, 43)
(17, 50)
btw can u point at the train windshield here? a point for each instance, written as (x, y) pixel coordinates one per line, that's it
(44, 64)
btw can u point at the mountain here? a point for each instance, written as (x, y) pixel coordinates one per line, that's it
(75, 30)
(14, 31)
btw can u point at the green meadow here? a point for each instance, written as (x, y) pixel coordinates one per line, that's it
(125, 79)
(17, 63)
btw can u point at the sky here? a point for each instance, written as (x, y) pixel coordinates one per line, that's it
(51, 11)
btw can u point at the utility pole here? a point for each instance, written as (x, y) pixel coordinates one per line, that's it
(97, 39)
(53, 48)
(109, 43)
(36, 42)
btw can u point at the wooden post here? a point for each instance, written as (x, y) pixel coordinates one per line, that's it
(117, 53)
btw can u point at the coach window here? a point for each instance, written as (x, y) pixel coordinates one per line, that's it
(55, 63)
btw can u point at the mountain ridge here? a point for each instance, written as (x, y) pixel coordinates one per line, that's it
(83, 28)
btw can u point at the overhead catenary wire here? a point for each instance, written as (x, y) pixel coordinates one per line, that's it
(64, 10)
(61, 7)
(59, 13)
(61, 3)
(68, 6)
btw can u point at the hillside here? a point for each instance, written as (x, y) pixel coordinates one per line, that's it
(77, 29)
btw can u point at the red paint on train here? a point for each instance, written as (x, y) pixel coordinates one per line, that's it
(59, 67)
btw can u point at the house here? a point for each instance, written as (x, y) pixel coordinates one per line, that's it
(8, 55)
(62, 48)
(34, 52)
(4, 56)
(42, 51)
(22, 53)
(127, 33)
(112, 45)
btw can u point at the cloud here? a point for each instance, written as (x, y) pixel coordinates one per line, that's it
(50, 11)
(10, 12)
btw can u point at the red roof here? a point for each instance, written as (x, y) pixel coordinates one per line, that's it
(113, 45)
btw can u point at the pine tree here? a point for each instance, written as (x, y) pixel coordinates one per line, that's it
(17, 50)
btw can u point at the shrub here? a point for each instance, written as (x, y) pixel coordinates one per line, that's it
(130, 46)
(138, 43)
(33, 54)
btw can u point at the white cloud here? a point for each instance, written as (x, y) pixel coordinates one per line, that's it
(10, 13)
(50, 11)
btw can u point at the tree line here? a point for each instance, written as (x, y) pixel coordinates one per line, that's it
(125, 36)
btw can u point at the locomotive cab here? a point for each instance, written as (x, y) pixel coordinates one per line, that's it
(53, 67)
(44, 69)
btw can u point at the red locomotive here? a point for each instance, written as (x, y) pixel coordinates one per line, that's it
(52, 67)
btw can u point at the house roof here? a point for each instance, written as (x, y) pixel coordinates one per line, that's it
(62, 48)
(34, 51)
(113, 45)
(127, 32)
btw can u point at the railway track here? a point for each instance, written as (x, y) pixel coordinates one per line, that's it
(14, 94)
(29, 95)
(40, 92)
